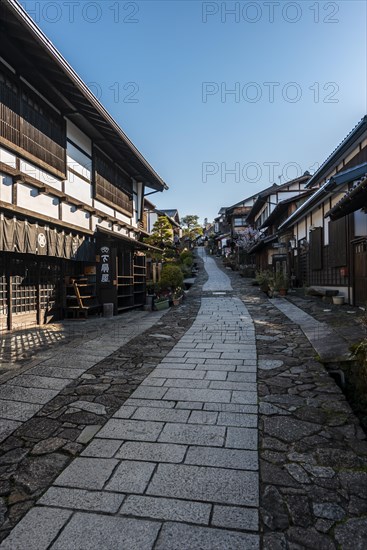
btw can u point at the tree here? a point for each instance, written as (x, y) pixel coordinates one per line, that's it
(161, 237)
(191, 227)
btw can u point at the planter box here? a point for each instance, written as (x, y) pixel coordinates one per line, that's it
(161, 305)
(338, 300)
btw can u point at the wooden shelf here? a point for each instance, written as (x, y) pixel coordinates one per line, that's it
(85, 302)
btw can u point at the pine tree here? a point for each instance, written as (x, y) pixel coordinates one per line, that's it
(161, 237)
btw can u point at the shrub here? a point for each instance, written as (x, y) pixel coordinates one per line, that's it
(188, 261)
(185, 255)
(171, 277)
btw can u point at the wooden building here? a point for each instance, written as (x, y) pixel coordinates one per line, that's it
(71, 187)
(272, 206)
(328, 247)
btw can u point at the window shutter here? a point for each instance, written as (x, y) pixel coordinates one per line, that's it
(316, 249)
(338, 243)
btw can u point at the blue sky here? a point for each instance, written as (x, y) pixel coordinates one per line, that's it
(165, 70)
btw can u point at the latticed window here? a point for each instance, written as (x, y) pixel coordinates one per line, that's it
(27, 122)
(111, 184)
(43, 132)
(9, 110)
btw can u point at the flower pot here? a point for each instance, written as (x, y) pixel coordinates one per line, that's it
(283, 291)
(338, 300)
(161, 305)
(177, 301)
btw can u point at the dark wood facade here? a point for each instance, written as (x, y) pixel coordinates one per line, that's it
(71, 182)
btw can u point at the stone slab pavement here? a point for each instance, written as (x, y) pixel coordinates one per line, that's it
(177, 465)
(217, 280)
(191, 461)
(329, 346)
(25, 390)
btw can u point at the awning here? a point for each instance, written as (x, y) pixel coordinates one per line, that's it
(262, 243)
(354, 200)
(21, 236)
(132, 242)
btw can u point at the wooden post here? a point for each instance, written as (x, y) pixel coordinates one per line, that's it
(38, 296)
(9, 282)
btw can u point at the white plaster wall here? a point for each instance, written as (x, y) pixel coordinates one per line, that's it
(28, 197)
(40, 175)
(6, 188)
(326, 231)
(101, 223)
(317, 218)
(122, 217)
(78, 137)
(7, 158)
(120, 230)
(78, 188)
(301, 230)
(79, 162)
(71, 214)
(287, 195)
(104, 208)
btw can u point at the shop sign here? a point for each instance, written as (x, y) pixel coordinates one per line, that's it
(105, 271)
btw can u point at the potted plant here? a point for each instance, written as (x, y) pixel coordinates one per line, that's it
(161, 303)
(263, 278)
(177, 297)
(151, 293)
(281, 283)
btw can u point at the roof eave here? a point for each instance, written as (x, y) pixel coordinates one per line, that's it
(156, 181)
(342, 147)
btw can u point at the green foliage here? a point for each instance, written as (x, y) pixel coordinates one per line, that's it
(280, 281)
(161, 237)
(263, 277)
(188, 261)
(186, 254)
(171, 277)
(162, 233)
(191, 226)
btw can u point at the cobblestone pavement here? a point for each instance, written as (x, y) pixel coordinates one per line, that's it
(313, 452)
(345, 320)
(328, 344)
(165, 437)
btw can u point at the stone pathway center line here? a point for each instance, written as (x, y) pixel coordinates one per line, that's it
(177, 465)
(217, 280)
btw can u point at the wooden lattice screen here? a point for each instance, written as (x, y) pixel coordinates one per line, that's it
(111, 184)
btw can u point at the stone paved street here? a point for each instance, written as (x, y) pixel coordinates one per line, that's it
(214, 429)
(28, 386)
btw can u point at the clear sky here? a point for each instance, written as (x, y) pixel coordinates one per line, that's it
(165, 70)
